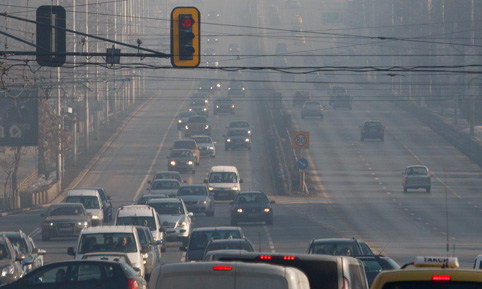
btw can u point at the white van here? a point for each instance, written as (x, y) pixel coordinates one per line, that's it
(124, 239)
(224, 182)
(92, 202)
(227, 275)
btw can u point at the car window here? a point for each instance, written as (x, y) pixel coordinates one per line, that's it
(251, 198)
(373, 125)
(239, 124)
(237, 132)
(203, 139)
(192, 191)
(365, 249)
(168, 208)
(184, 145)
(65, 211)
(347, 249)
(142, 236)
(223, 177)
(137, 221)
(54, 274)
(4, 252)
(20, 243)
(180, 153)
(166, 175)
(107, 242)
(417, 171)
(241, 245)
(89, 202)
(165, 185)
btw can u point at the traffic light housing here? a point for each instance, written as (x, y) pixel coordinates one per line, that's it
(185, 37)
(51, 35)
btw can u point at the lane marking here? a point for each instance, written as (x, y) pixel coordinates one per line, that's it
(270, 240)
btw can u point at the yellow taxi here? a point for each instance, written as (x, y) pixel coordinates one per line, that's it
(430, 272)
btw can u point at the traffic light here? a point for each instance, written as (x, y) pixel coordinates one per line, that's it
(51, 37)
(185, 37)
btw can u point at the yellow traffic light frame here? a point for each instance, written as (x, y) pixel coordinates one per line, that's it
(196, 42)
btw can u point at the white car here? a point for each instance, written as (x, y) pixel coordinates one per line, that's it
(416, 177)
(176, 220)
(92, 202)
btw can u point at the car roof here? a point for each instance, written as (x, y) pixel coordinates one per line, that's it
(164, 200)
(170, 172)
(175, 150)
(199, 135)
(221, 228)
(251, 192)
(193, 186)
(426, 274)
(229, 240)
(83, 192)
(135, 210)
(224, 169)
(417, 166)
(109, 229)
(338, 240)
(184, 140)
(167, 180)
(66, 205)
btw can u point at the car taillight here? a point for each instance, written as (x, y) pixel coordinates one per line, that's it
(346, 283)
(289, 258)
(222, 268)
(132, 284)
(441, 278)
(265, 257)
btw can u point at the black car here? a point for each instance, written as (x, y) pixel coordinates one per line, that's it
(183, 117)
(252, 207)
(376, 264)
(208, 86)
(372, 130)
(81, 274)
(224, 104)
(339, 246)
(236, 88)
(237, 138)
(200, 238)
(181, 160)
(106, 203)
(33, 256)
(10, 266)
(64, 220)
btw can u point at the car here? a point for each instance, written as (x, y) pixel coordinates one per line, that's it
(224, 182)
(64, 220)
(416, 177)
(376, 264)
(167, 187)
(188, 144)
(176, 219)
(10, 262)
(209, 52)
(233, 48)
(33, 256)
(241, 124)
(200, 95)
(207, 86)
(124, 239)
(166, 175)
(81, 274)
(241, 244)
(143, 199)
(429, 272)
(212, 39)
(183, 117)
(213, 15)
(106, 202)
(372, 129)
(236, 88)
(142, 215)
(252, 206)
(92, 202)
(338, 271)
(197, 125)
(206, 145)
(199, 106)
(152, 255)
(237, 138)
(336, 90)
(197, 198)
(339, 247)
(224, 104)
(181, 160)
(312, 108)
(201, 236)
(342, 101)
(300, 97)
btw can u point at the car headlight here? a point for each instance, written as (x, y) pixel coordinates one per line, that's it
(266, 210)
(95, 217)
(145, 256)
(217, 106)
(9, 270)
(229, 88)
(219, 84)
(200, 88)
(206, 127)
(205, 101)
(210, 147)
(204, 202)
(249, 131)
(186, 127)
(232, 106)
(228, 140)
(235, 188)
(189, 162)
(82, 223)
(210, 188)
(179, 121)
(242, 88)
(205, 109)
(239, 210)
(182, 224)
(47, 224)
(190, 109)
(246, 140)
(173, 163)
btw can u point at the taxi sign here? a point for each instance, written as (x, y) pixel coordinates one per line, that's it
(436, 262)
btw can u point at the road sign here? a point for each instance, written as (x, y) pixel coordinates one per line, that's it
(300, 139)
(302, 163)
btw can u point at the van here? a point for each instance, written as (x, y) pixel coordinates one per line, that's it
(224, 182)
(124, 239)
(92, 202)
(227, 275)
(323, 271)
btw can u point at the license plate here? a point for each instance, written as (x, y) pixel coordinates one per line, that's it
(65, 229)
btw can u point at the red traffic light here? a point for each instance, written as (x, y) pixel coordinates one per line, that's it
(187, 23)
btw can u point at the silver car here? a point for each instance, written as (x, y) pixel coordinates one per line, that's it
(176, 220)
(416, 177)
(206, 145)
(197, 198)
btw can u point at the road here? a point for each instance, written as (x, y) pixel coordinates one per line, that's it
(355, 187)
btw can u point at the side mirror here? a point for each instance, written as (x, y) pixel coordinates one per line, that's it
(272, 202)
(214, 142)
(205, 181)
(70, 251)
(40, 251)
(240, 181)
(183, 249)
(149, 182)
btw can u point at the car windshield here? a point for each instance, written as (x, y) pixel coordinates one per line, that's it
(168, 208)
(187, 113)
(197, 119)
(373, 125)
(223, 177)
(238, 132)
(338, 249)
(4, 252)
(137, 221)
(192, 191)
(107, 242)
(237, 124)
(165, 185)
(239, 245)
(252, 198)
(65, 211)
(19, 243)
(89, 202)
(166, 175)
(199, 240)
(417, 171)
(180, 153)
(203, 139)
(184, 145)
(198, 102)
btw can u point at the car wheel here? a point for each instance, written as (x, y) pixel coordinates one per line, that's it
(45, 237)
(405, 189)
(427, 189)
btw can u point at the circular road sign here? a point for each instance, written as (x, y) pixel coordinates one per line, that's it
(302, 164)
(300, 139)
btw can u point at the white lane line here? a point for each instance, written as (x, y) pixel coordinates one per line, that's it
(270, 241)
(35, 232)
(183, 257)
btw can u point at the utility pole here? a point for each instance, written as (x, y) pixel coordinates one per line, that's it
(87, 114)
(59, 115)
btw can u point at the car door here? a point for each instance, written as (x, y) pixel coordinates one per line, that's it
(87, 275)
